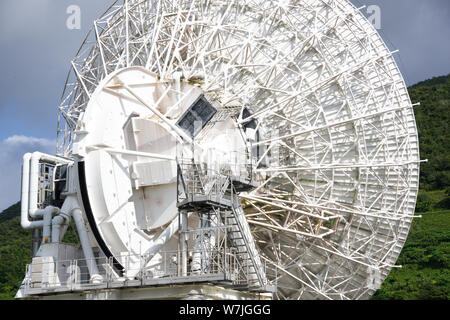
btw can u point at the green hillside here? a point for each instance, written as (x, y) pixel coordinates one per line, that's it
(426, 256)
(433, 119)
(15, 250)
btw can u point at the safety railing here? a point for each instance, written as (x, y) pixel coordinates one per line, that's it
(197, 180)
(72, 275)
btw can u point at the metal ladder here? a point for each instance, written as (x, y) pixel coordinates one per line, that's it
(198, 187)
(241, 237)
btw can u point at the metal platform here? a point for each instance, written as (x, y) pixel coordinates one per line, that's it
(225, 280)
(194, 291)
(47, 277)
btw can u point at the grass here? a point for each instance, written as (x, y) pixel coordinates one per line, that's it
(425, 258)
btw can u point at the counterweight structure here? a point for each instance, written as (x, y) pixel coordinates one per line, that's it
(265, 149)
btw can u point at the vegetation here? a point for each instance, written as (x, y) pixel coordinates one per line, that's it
(15, 250)
(425, 257)
(433, 119)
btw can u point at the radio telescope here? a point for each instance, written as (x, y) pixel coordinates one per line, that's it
(272, 143)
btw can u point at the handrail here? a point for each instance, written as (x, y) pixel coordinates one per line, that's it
(70, 275)
(249, 243)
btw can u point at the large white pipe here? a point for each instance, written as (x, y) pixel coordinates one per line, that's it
(34, 186)
(49, 212)
(86, 246)
(57, 226)
(30, 188)
(59, 230)
(25, 221)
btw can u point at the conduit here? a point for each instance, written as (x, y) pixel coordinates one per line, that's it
(24, 220)
(57, 224)
(86, 246)
(48, 214)
(30, 188)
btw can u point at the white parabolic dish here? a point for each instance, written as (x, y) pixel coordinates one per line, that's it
(338, 184)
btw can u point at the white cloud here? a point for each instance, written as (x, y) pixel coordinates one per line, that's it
(12, 150)
(23, 140)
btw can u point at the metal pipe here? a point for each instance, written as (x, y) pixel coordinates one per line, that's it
(49, 212)
(57, 224)
(184, 246)
(34, 186)
(25, 221)
(30, 186)
(86, 246)
(69, 204)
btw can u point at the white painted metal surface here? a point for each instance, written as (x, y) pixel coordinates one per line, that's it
(335, 200)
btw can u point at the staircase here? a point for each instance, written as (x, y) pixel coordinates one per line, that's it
(242, 239)
(196, 180)
(208, 193)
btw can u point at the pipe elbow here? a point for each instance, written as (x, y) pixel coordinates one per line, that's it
(25, 224)
(54, 210)
(26, 157)
(58, 220)
(76, 211)
(57, 223)
(48, 212)
(36, 156)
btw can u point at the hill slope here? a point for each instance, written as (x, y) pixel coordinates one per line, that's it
(15, 251)
(425, 258)
(433, 119)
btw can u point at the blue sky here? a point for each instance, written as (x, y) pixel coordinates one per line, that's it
(36, 48)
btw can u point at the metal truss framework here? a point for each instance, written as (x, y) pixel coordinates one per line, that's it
(334, 205)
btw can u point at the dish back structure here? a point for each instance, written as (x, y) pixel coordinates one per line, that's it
(338, 172)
